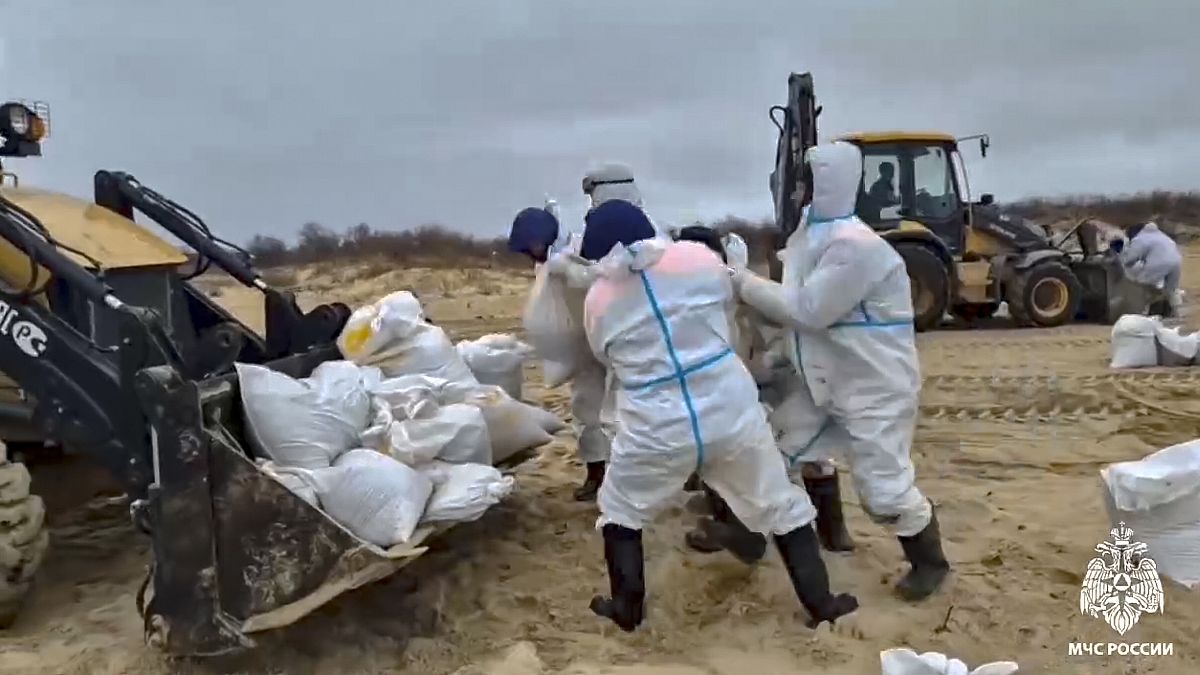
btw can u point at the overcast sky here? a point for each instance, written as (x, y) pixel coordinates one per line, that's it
(262, 115)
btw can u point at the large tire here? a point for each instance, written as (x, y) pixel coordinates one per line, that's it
(1045, 295)
(929, 280)
(23, 538)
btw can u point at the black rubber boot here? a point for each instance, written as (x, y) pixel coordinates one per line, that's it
(730, 535)
(698, 539)
(725, 531)
(929, 565)
(591, 484)
(802, 557)
(831, 524)
(623, 554)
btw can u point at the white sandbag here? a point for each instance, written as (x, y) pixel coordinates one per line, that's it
(293, 478)
(426, 351)
(393, 335)
(553, 324)
(374, 496)
(497, 359)
(908, 662)
(305, 423)
(1175, 350)
(1158, 497)
(455, 433)
(557, 373)
(463, 492)
(1133, 342)
(377, 327)
(512, 425)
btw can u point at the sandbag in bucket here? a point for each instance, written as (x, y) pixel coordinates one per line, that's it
(497, 359)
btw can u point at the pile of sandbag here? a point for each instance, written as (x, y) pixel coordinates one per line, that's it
(1143, 341)
(399, 435)
(1158, 497)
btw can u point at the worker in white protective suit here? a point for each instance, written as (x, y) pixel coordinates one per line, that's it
(535, 232)
(614, 180)
(846, 297)
(788, 401)
(657, 316)
(1152, 258)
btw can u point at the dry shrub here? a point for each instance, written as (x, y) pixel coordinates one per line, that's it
(437, 247)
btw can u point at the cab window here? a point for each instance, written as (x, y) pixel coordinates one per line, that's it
(935, 197)
(880, 196)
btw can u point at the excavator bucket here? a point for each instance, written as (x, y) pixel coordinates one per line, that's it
(1108, 292)
(236, 551)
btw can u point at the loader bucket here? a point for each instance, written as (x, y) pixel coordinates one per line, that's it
(235, 551)
(1108, 293)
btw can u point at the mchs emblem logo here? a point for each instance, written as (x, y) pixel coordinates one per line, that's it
(1122, 583)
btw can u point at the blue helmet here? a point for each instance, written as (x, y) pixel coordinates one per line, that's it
(615, 221)
(533, 231)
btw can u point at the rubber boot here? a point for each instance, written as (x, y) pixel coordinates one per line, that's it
(698, 539)
(591, 484)
(725, 531)
(929, 565)
(831, 524)
(623, 554)
(731, 535)
(802, 557)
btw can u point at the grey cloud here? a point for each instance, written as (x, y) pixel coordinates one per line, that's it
(262, 116)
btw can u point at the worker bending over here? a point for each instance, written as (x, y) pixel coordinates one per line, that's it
(846, 298)
(1152, 258)
(657, 317)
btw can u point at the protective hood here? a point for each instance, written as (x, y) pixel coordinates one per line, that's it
(1150, 227)
(615, 221)
(837, 172)
(532, 227)
(611, 181)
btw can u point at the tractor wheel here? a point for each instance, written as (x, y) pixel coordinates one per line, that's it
(929, 281)
(975, 312)
(23, 537)
(1045, 295)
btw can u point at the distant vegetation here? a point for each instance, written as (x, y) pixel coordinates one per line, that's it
(438, 246)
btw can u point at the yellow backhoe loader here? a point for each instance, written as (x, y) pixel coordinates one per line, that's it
(107, 349)
(963, 257)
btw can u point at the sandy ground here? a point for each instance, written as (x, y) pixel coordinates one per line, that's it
(1015, 426)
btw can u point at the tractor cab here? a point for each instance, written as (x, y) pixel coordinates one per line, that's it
(913, 177)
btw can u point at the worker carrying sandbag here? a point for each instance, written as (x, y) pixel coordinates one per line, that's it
(657, 318)
(535, 232)
(846, 297)
(1151, 257)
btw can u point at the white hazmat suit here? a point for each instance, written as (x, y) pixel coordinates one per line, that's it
(588, 379)
(847, 299)
(659, 322)
(657, 317)
(1153, 258)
